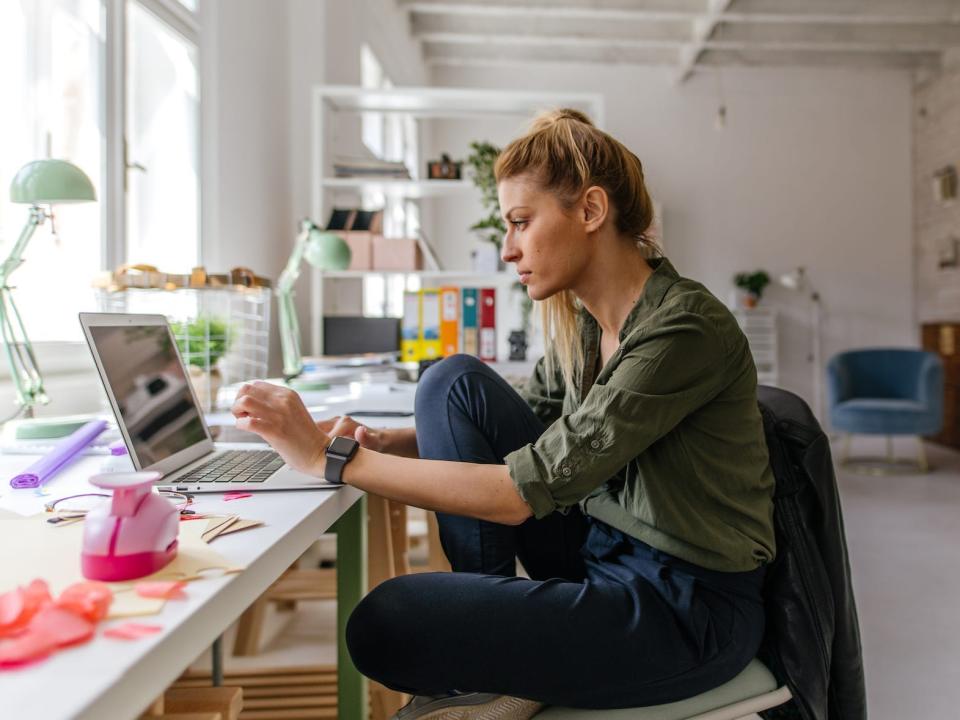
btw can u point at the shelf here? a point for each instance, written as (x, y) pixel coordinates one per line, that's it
(412, 189)
(455, 102)
(502, 276)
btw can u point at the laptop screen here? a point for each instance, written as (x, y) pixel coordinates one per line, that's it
(151, 389)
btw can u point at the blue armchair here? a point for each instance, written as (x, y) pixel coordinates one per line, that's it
(886, 391)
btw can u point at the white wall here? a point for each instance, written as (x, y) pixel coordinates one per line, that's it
(260, 59)
(245, 196)
(813, 168)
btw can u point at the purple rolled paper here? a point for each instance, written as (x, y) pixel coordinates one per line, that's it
(61, 453)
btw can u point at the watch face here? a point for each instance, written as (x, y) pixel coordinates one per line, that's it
(342, 446)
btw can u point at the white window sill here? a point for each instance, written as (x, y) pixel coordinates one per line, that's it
(69, 377)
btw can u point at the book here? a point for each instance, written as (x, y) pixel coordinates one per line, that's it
(410, 327)
(430, 346)
(449, 320)
(469, 322)
(488, 324)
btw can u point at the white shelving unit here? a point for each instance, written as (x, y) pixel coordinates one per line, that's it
(760, 327)
(338, 103)
(407, 189)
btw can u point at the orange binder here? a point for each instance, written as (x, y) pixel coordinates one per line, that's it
(450, 320)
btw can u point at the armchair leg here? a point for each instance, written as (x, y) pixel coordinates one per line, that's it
(886, 464)
(922, 455)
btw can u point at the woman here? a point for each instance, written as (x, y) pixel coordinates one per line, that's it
(631, 478)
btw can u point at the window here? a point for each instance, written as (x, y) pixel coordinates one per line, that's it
(51, 52)
(53, 89)
(163, 117)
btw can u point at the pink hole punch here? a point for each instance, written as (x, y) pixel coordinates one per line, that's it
(132, 536)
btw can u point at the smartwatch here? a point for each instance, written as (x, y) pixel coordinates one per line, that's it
(339, 453)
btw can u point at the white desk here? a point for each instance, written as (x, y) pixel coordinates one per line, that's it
(116, 680)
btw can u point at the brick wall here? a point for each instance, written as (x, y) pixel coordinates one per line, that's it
(936, 143)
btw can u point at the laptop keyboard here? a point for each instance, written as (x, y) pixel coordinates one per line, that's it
(247, 466)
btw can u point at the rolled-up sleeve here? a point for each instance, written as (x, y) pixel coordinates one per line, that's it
(661, 378)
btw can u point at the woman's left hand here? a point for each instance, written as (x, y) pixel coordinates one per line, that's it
(277, 414)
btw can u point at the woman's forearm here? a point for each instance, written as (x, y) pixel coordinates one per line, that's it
(472, 490)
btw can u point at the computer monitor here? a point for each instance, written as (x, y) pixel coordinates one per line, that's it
(357, 335)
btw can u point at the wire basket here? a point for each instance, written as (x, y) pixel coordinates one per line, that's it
(223, 333)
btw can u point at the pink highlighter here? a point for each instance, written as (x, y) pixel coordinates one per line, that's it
(133, 535)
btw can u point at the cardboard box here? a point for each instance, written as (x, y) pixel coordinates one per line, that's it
(361, 248)
(401, 254)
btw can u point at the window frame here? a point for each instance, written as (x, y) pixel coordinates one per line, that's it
(63, 357)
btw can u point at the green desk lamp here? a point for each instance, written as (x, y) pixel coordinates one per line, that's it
(42, 182)
(322, 250)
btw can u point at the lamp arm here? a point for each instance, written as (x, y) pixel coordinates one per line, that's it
(287, 312)
(15, 258)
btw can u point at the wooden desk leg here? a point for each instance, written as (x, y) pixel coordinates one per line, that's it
(351, 532)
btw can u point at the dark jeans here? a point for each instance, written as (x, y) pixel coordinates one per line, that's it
(606, 621)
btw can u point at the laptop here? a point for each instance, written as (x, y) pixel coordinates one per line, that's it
(159, 416)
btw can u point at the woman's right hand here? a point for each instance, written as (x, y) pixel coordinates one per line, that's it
(346, 426)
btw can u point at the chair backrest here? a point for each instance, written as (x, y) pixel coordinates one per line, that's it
(812, 638)
(890, 373)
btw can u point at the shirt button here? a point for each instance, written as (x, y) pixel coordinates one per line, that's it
(566, 471)
(595, 444)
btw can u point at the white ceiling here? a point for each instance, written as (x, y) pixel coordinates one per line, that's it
(687, 34)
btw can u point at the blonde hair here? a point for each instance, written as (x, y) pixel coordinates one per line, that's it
(566, 154)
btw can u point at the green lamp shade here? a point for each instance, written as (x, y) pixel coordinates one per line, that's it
(45, 182)
(327, 251)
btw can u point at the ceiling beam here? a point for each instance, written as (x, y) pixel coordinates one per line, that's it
(580, 9)
(763, 57)
(439, 53)
(428, 26)
(879, 36)
(703, 28)
(846, 11)
(483, 55)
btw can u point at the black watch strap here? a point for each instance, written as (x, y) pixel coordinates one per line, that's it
(339, 452)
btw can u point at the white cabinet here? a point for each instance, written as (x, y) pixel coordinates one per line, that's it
(336, 113)
(760, 327)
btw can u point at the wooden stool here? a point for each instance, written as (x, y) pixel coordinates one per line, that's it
(388, 557)
(303, 692)
(198, 703)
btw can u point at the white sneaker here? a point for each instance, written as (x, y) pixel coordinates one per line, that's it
(468, 706)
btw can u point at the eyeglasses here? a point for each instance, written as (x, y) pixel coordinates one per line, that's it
(75, 507)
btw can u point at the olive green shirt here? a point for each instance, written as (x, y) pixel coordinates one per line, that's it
(665, 442)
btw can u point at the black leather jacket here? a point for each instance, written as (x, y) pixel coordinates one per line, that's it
(812, 640)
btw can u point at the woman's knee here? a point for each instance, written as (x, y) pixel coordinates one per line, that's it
(438, 378)
(376, 625)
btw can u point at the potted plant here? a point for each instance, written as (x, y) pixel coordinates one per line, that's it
(202, 342)
(753, 284)
(491, 227)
